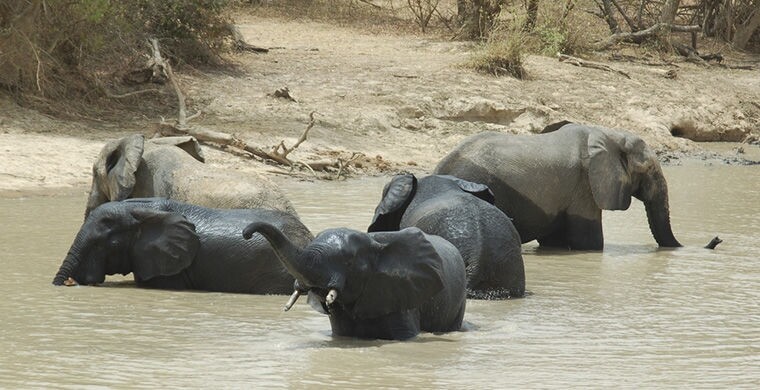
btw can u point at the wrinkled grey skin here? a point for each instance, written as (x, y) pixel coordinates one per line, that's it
(463, 213)
(173, 245)
(389, 285)
(173, 167)
(555, 185)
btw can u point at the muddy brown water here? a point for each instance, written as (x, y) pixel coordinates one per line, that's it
(631, 316)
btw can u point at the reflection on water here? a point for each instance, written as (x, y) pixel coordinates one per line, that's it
(631, 316)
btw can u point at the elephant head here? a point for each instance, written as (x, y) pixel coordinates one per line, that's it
(621, 165)
(399, 192)
(366, 275)
(114, 172)
(124, 237)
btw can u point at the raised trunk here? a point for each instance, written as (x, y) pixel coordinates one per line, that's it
(654, 194)
(285, 250)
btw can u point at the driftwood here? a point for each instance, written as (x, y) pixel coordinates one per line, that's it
(588, 64)
(693, 55)
(713, 243)
(283, 93)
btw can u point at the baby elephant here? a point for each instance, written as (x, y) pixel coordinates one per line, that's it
(463, 213)
(169, 244)
(389, 285)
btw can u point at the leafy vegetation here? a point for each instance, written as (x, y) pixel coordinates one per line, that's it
(56, 49)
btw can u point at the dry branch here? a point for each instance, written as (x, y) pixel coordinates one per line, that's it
(285, 150)
(241, 44)
(279, 153)
(640, 36)
(588, 64)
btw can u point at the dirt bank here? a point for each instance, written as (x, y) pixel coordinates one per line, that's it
(404, 98)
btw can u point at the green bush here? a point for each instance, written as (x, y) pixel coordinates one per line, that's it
(551, 40)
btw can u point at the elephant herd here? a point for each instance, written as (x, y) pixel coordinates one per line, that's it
(157, 211)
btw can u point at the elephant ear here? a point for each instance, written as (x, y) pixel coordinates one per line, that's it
(396, 198)
(554, 127)
(479, 190)
(165, 243)
(116, 166)
(187, 143)
(608, 169)
(407, 273)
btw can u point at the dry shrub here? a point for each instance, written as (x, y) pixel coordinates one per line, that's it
(71, 51)
(372, 15)
(501, 55)
(559, 29)
(579, 29)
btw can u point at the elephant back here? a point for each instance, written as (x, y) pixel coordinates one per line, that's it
(444, 312)
(171, 172)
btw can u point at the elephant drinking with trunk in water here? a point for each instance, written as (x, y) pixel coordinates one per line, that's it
(173, 167)
(173, 245)
(555, 185)
(388, 285)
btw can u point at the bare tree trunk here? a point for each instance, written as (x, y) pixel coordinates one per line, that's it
(609, 16)
(744, 32)
(477, 17)
(530, 22)
(627, 19)
(726, 20)
(669, 11)
(667, 17)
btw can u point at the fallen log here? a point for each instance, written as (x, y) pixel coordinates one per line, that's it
(642, 35)
(588, 64)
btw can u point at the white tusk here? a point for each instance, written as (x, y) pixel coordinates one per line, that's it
(332, 295)
(292, 300)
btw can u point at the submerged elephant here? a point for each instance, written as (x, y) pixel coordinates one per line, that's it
(388, 285)
(463, 213)
(169, 244)
(173, 167)
(555, 185)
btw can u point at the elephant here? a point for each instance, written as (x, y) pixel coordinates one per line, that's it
(555, 185)
(173, 167)
(169, 244)
(384, 285)
(463, 213)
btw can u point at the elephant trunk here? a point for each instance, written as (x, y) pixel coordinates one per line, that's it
(285, 250)
(72, 260)
(67, 269)
(655, 198)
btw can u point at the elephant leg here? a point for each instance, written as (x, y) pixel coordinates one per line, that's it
(585, 234)
(576, 232)
(401, 325)
(557, 239)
